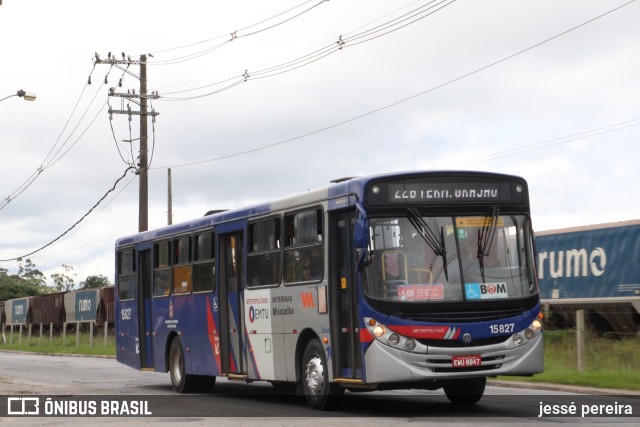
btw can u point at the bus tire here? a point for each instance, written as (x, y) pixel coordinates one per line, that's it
(181, 382)
(314, 374)
(467, 391)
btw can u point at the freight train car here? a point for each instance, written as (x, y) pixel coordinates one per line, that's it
(18, 311)
(90, 305)
(48, 309)
(595, 268)
(87, 305)
(82, 305)
(106, 309)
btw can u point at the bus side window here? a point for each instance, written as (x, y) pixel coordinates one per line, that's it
(264, 253)
(204, 266)
(162, 268)
(304, 253)
(126, 275)
(182, 270)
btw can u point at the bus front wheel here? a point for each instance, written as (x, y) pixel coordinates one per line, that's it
(467, 391)
(320, 394)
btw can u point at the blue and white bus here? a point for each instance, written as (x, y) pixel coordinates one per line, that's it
(406, 280)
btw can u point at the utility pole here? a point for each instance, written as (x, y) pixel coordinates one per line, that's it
(143, 204)
(143, 97)
(169, 198)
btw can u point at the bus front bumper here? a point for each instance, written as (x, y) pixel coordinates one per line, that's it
(386, 364)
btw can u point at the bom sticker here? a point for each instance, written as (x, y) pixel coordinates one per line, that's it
(485, 290)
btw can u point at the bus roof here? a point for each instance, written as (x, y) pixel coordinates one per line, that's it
(340, 188)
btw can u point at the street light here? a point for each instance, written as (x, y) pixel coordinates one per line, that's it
(27, 96)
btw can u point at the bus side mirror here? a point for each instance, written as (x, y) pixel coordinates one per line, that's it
(361, 243)
(361, 234)
(361, 237)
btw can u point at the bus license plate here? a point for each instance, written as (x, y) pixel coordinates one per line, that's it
(466, 361)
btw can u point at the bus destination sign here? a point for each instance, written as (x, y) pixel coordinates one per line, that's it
(438, 192)
(399, 193)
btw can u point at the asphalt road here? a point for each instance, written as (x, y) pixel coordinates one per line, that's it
(91, 379)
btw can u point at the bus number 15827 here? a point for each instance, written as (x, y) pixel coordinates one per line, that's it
(504, 328)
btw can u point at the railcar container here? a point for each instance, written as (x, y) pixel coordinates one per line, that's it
(18, 311)
(107, 305)
(48, 309)
(82, 305)
(595, 268)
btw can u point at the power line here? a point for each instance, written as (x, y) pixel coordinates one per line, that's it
(331, 41)
(56, 160)
(553, 142)
(234, 34)
(231, 36)
(36, 174)
(56, 151)
(398, 102)
(338, 44)
(75, 224)
(96, 213)
(396, 24)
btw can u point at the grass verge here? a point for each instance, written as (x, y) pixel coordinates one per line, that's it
(610, 361)
(59, 345)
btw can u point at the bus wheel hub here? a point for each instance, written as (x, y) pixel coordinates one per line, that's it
(315, 376)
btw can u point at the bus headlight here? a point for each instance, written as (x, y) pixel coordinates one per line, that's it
(528, 333)
(393, 339)
(536, 325)
(518, 340)
(378, 331)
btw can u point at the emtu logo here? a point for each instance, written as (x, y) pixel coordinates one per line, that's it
(307, 300)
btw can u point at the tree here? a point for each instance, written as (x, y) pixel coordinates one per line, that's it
(15, 286)
(27, 270)
(63, 281)
(94, 282)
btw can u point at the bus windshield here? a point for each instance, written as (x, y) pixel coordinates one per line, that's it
(450, 258)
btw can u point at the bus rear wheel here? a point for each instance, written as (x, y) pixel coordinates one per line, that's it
(467, 391)
(320, 394)
(179, 377)
(180, 380)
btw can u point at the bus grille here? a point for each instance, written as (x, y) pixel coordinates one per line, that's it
(461, 316)
(460, 344)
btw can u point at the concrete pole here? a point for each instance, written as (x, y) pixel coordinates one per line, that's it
(580, 344)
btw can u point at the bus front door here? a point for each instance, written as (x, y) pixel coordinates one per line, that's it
(347, 356)
(231, 313)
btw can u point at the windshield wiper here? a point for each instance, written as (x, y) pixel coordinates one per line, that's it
(430, 237)
(485, 239)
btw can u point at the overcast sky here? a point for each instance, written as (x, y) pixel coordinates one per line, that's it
(563, 114)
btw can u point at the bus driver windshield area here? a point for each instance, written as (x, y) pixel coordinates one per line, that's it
(416, 258)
